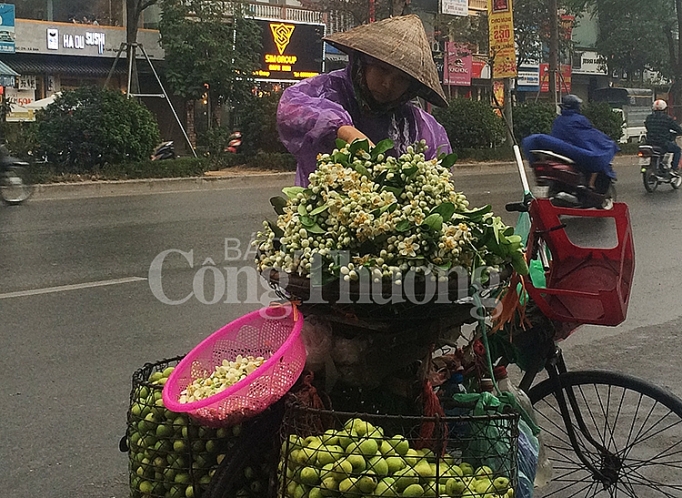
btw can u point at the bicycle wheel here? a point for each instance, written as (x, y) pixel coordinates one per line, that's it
(638, 424)
(15, 185)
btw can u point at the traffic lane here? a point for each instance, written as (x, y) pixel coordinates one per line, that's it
(46, 244)
(68, 358)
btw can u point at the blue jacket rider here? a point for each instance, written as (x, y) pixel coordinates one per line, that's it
(574, 136)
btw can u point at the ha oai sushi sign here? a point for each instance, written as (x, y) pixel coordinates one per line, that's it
(291, 51)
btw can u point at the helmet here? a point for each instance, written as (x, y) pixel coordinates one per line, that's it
(571, 101)
(660, 105)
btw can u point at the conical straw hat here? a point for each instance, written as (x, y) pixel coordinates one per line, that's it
(400, 42)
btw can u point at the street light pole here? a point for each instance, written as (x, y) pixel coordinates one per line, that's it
(553, 50)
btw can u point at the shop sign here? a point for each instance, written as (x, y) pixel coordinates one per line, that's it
(458, 65)
(75, 41)
(291, 51)
(528, 79)
(591, 63)
(564, 81)
(27, 82)
(7, 35)
(20, 97)
(455, 7)
(501, 41)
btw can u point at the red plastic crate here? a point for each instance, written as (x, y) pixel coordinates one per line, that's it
(586, 285)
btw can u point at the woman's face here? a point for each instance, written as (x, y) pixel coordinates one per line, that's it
(385, 83)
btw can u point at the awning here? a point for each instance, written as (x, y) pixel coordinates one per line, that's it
(7, 75)
(70, 66)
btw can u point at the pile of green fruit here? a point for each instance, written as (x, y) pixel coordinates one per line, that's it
(360, 461)
(170, 456)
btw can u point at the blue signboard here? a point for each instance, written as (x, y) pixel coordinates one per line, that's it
(7, 28)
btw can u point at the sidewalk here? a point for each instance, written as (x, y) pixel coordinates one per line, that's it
(212, 180)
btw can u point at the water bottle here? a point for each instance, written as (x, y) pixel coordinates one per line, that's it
(544, 470)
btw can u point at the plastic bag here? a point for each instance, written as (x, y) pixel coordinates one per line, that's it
(317, 337)
(527, 456)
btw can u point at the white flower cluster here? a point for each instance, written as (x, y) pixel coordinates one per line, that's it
(225, 375)
(391, 215)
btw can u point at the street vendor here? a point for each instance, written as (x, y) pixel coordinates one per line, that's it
(390, 63)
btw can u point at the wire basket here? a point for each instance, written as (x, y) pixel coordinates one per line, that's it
(272, 333)
(169, 455)
(329, 453)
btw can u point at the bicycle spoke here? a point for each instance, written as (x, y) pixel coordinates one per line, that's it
(626, 450)
(648, 484)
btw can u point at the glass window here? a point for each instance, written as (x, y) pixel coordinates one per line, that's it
(104, 12)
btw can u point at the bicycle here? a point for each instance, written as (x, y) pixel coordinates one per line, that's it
(606, 433)
(15, 182)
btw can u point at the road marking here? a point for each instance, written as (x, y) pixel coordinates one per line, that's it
(62, 288)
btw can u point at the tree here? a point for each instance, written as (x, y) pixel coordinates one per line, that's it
(633, 37)
(211, 52)
(358, 10)
(93, 126)
(134, 9)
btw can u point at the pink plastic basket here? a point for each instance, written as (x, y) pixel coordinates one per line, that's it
(273, 333)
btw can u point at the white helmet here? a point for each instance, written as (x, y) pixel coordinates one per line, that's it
(660, 105)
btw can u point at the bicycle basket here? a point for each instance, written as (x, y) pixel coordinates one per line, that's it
(586, 285)
(273, 333)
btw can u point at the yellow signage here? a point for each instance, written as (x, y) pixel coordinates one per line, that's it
(501, 32)
(281, 34)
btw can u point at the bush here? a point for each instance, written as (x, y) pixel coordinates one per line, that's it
(604, 119)
(21, 139)
(258, 124)
(471, 124)
(533, 117)
(92, 126)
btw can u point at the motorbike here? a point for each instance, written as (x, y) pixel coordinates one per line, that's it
(234, 142)
(568, 186)
(15, 183)
(164, 151)
(656, 168)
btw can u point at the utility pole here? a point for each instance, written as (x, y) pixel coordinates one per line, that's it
(553, 50)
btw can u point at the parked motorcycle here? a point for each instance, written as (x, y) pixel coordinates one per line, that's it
(164, 151)
(234, 142)
(15, 183)
(568, 185)
(656, 168)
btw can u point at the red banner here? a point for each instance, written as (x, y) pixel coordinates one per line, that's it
(564, 81)
(458, 65)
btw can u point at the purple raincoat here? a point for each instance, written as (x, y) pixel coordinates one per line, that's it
(311, 112)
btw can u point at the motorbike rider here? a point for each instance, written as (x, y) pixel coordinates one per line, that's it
(390, 63)
(659, 132)
(574, 136)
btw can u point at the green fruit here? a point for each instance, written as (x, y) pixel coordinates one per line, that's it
(345, 438)
(386, 449)
(348, 486)
(430, 489)
(182, 478)
(454, 486)
(483, 486)
(329, 454)
(155, 376)
(413, 490)
(179, 446)
(313, 493)
(164, 431)
(310, 476)
(467, 468)
(501, 484)
(484, 471)
(412, 457)
(423, 469)
(329, 484)
(405, 477)
(189, 492)
(342, 469)
(366, 484)
(395, 463)
(358, 462)
(330, 437)
(400, 444)
(386, 487)
(211, 446)
(455, 471)
(167, 371)
(378, 465)
(368, 447)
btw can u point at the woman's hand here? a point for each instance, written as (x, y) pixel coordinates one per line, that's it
(349, 133)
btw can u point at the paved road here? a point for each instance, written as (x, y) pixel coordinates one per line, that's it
(78, 316)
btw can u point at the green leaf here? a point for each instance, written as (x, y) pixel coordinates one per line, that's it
(448, 160)
(315, 228)
(445, 209)
(403, 226)
(340, 144)
(302, 210)
(278, 203)
(381, 148)
(341, 158)
(397, 191)
(307, 221)
(319, 209)
(381, 177)
(276, 230)
(477, 214)
(292, 192)
(358, 144)
(363, 171)
(434, 222)
(410, 171)
(390, 208)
